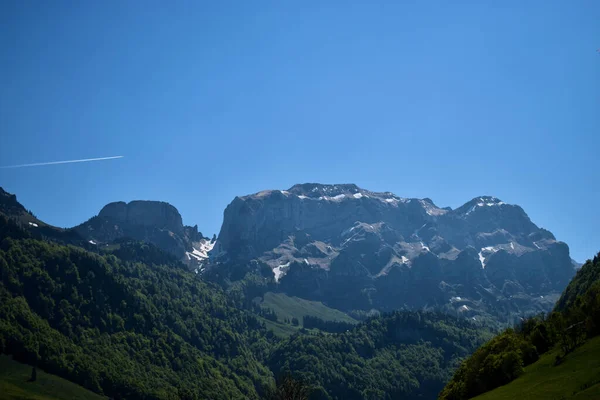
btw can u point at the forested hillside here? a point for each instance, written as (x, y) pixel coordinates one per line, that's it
(587, 276)
(576, 378)
(502, 360)
(401, 355)
(124, 328)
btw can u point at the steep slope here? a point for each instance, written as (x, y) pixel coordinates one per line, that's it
(556, 338)
(124, 328)
(357, 249)
(10, 207)
(155, 222)
(15, 211)
(576, 378)
(586, 276)
(15, 384)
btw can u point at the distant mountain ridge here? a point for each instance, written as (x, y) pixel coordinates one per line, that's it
(358, 249)
(355, 249)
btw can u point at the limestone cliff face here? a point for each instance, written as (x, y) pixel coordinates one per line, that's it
(154, 214)
(257, 223)
(152, 221)
(363, 249)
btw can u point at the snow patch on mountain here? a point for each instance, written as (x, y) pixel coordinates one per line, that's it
(486, 202)
(201, 253)
(489, 249)
(280, 270)
(348, 231)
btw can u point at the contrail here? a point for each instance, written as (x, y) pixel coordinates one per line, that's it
(62, 162)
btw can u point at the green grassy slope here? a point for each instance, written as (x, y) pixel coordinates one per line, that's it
(14, 384)
(279, 328)
(578, 377)
(294, 307)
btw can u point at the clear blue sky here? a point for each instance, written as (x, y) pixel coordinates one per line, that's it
(209, 100)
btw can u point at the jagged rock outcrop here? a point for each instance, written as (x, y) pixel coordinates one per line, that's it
(357, 249)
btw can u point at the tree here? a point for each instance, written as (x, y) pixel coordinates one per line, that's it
(289, 388)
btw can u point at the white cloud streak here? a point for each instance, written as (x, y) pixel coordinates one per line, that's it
(62, 162)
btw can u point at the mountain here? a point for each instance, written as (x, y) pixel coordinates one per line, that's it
(127, 321)
(155, 222)
(356, 249)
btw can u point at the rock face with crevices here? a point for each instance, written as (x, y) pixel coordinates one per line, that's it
(357, 249)
(154, 214)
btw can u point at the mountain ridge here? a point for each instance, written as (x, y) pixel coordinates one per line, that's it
(353, 248)
(367, 246)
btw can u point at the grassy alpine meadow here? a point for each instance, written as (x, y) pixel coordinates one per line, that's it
(15, 384)
(293, 307)
(577, 377)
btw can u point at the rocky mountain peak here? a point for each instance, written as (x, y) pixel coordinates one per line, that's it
(156, 222)
(315, 190)
(480, 202)
(145, 213)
